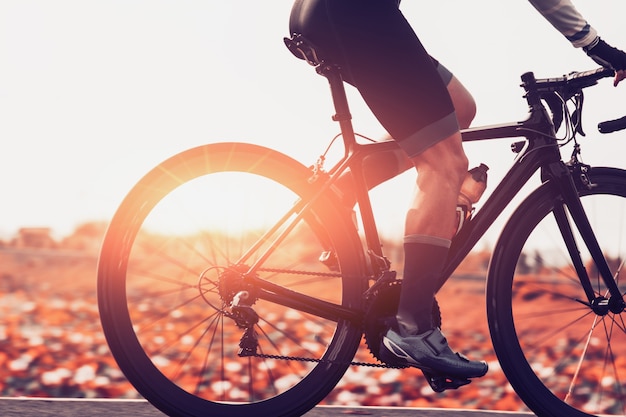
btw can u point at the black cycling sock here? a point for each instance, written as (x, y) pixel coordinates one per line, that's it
(424, 257)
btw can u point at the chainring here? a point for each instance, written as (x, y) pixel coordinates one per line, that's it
(381, 314)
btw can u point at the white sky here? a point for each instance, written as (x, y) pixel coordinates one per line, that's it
(95, 93)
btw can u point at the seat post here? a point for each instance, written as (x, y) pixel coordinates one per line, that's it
(342, 110)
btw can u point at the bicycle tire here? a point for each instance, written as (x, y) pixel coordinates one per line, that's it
(164, 294)
(560, 357)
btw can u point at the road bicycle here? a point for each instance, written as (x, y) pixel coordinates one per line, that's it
(215, 302)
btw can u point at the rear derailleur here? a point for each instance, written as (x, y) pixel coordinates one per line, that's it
(245, 317)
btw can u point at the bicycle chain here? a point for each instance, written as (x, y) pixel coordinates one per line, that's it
(352, 363)
(298, 272)
(302, 359)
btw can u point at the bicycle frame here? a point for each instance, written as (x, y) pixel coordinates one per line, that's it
(540, 153)
(527, 163)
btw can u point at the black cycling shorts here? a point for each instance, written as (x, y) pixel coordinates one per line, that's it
(383, 58)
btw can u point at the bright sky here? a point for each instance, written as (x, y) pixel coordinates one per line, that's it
(95, 93)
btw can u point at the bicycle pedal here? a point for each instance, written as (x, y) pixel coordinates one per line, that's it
(440, 383)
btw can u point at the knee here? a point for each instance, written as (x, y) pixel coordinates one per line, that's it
(466, 112)
(454, 165)
(458, 165)
(445, 162)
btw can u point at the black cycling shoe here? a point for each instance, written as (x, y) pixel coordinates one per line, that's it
(430, 353)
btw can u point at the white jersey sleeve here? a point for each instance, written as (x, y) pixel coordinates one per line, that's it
(566, 19)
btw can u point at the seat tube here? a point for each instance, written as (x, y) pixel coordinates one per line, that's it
(343, 116)
(340, 101)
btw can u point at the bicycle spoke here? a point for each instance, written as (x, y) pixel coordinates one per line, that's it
(610, 358)
(580, 362)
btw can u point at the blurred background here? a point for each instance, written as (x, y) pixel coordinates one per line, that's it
(93, 94)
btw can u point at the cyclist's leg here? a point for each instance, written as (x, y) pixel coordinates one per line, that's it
(381, 55)
(405, 91)
(429, 221)
(340, 36)
(381, 167)
(441, 169)
(415, 340)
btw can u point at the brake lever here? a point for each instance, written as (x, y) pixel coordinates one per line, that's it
(577, 115)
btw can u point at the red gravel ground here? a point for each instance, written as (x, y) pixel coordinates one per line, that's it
(51, 344)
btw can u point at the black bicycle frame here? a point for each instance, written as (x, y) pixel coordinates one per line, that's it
(528, 162)
(539, 153)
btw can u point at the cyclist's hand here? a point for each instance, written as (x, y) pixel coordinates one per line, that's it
(608, 57)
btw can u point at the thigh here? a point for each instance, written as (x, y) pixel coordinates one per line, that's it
(384, 59)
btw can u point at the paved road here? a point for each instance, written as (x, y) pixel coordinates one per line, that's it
(406, 412)
(29, 407)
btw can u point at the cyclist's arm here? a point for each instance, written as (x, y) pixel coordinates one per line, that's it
(566, 19)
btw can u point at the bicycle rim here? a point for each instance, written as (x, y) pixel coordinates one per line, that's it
(168, 272)
(561, 358)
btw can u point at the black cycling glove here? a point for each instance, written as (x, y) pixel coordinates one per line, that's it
(606, 55)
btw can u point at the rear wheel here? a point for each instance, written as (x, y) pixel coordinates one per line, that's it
(563, 355)
(176, 255)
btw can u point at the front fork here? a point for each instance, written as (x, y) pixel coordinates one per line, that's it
(567, 179)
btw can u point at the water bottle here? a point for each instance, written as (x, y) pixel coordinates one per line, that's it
(473, 187)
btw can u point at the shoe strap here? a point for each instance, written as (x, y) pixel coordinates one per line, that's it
(436, 341)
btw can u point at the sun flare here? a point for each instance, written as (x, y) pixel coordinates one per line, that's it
(220, 202)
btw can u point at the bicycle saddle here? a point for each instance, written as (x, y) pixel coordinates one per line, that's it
(302, 48)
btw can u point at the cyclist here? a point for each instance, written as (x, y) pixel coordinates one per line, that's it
(422, 105)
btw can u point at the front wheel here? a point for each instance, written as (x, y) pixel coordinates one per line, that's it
(177, 255)
(562, 356)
